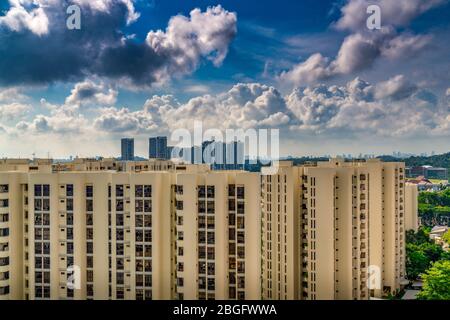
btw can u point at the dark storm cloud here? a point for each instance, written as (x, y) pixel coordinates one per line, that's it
(45, 51)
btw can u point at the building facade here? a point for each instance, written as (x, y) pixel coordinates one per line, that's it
(113, 231)
(105, 229)
(333, 230)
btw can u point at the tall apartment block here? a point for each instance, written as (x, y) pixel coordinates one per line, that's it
(332, 230)
(412, 207)
(134, 230)
(127, 149)
(158, 148)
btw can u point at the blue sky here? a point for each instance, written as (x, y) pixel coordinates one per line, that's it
(309, 68)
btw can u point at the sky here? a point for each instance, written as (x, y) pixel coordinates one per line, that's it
(140, 68)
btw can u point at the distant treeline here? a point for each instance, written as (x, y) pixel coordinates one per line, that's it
(441, 160)
(434, 208)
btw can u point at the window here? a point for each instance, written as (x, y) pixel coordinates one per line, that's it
(231, 190)
(69, 204)
(138, 191)
(210, 190)
(4, 290)
(38, 190)
(90, 276)
(240, 207)
(231, 205)
(119, 205)
(201, 191)
(4, 203)
(179, 205)
(90, 262)
(4, 261)
(147, 191)
(148, 206)
(119, 190)
(46, 190)
(89, 205)
(211, 238)
(211, 207)
(69, 190)
(4, 232)
(90, 248)
(240, 192)
(4, 188)
(89, 219)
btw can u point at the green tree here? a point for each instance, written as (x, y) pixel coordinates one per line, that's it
(446, 237)
(436, 282)
(416, 262)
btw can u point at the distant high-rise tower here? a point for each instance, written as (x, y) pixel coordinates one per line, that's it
(127, 148)
(158, 148)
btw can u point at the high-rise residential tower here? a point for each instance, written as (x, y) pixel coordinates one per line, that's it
(127, 149)
(158, 148)
(333, 230)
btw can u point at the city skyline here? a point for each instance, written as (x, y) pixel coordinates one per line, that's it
(311, 69)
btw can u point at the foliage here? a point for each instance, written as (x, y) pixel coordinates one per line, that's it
(434, 207)
(421, 236)
(421, 252)
(416, 262)
(436, 282)
(446, 237)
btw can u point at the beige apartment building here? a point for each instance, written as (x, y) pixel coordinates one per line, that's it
(333, 230)
(102, 229)
(411, 198)
(108, 230)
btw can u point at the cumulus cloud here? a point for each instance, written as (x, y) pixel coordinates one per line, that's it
(10, 95)
(391, 108)
(13, 111)
(362, 47)
(36, 32)
(90, 92)
(357, 52)
(397, 13)
(123, 120)
(396, 88)
(26, 15)
(203, 34)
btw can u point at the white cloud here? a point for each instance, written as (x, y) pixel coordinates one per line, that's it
(362, 47)
(396, 88)
(316, 67)
(9, 95)
(106, 5)
(197, 88)
(391, 108)
(13, 111)
(89, 92)
(20, 16)
(102, 49)
(357, 52)
(185, 40)
(397, 13)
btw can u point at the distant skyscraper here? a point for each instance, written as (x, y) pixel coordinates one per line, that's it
(158, 148)
(127, 147)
